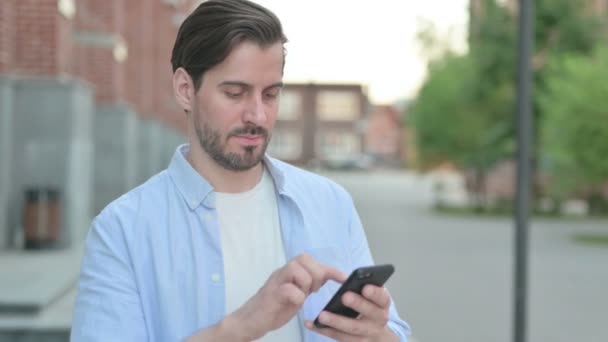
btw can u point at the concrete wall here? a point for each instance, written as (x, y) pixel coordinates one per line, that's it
(51, 134)
(128, 151)
(6, 114)
(52, 146)
(170, 139)
(157, 144)
(116, 150)
(150, 163)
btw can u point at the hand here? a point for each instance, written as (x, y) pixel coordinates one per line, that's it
(371, 325)
(279, 300)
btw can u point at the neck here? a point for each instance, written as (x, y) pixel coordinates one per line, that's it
(221, 179)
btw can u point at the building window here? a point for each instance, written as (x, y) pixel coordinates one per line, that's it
(335, 105)
(285, 144)
(291, 105)
(338, 145)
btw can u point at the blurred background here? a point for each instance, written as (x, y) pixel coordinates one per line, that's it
(408, 104)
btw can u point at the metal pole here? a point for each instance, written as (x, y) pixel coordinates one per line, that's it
(524, 158)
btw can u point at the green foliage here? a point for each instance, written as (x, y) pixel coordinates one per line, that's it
(465, 111)
(598, 240)
(445, 95)
(575, 126)
(493, 46)
(562, 26)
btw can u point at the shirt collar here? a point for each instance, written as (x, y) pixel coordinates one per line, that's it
(276, 172)
(196, 189)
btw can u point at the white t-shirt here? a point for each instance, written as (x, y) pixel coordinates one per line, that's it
(252, 247)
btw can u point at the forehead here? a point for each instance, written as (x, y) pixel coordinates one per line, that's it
(250, 63)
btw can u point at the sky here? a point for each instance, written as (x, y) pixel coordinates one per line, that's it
(372, 42)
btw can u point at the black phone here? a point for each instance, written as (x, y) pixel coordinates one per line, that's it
(374, 275)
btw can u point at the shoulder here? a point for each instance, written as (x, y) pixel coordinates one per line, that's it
(128, 209)
(304, 182)
(316, 195)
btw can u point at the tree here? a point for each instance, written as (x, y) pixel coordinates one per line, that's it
(465, 110)
(575, 127)
(453, 124)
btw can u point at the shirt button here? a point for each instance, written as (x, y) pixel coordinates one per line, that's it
(208, 217)
(193, 204)
(216, 278)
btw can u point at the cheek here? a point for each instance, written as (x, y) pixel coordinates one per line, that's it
(272, 112)
(216, 115)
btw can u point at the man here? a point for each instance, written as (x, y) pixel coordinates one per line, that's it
(228, 244)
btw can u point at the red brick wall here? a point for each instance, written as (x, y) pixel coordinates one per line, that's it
(104, 19)
(383, 135)
(7, 34)
(42, 40)
(36, 40)
(138, 35)
(165, 33)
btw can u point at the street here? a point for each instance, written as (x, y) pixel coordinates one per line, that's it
(453, 279)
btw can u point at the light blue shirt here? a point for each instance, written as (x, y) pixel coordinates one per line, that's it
(153, 266)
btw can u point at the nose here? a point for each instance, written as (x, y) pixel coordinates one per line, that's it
(255, 112)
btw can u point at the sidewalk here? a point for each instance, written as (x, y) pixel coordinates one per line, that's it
(37, 293)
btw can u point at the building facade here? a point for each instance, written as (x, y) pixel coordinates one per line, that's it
(385, 136)
(320, 123)
(86, 103)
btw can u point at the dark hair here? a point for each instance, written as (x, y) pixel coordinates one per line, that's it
(213, 30)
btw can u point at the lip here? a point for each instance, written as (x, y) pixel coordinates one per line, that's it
(249, 139)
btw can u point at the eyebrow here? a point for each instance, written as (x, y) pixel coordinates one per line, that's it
(247, 85)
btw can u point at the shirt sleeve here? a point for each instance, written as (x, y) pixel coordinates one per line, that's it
(107, 306)
(361, 256)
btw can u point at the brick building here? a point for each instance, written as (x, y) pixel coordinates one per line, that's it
(385, 136)
(86, 113)
(121, 47)
(86, 96)
(320, 123)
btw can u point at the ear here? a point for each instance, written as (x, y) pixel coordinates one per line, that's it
(183, 88)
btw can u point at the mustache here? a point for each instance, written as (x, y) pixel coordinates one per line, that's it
(250, 130)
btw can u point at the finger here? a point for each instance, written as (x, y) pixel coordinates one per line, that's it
(320, 273)
(299, 275)
(313, 268)
(330, 332)
(368, 309)
(334, 274)
(291, 294)
(351, 326)
(378, 295)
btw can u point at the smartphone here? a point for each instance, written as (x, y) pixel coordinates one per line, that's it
(374, 275)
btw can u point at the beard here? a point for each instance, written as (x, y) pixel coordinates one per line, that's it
(212, 142)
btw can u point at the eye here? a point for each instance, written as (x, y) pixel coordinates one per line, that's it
(233, 95)
(271, 95)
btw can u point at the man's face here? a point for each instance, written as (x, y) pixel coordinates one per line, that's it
(237, 105)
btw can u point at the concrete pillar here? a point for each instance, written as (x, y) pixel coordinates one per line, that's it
(116, 145)
(149, 149)
(170, 140)
(6, 124)
(52, 147)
